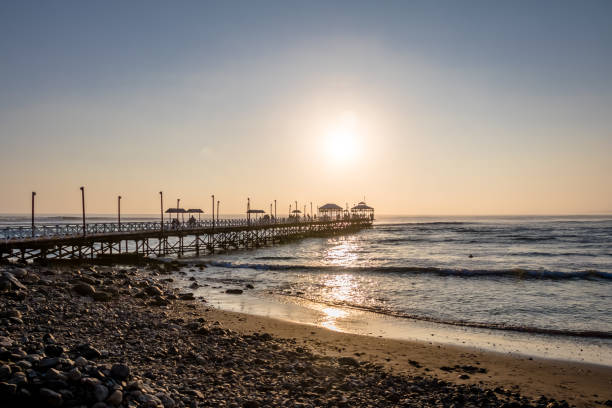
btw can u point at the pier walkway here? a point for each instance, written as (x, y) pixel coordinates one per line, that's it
(75, 241)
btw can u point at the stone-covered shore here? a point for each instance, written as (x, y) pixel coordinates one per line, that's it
(102, 336)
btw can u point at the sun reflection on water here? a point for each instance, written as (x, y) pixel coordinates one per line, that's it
(331, 316)
(344, 253)
(340, 288)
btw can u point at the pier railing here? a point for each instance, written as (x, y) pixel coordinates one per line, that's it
(22, 232)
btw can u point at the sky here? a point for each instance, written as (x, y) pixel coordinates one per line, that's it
(421, 107)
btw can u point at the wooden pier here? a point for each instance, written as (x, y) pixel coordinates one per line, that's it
(156, 239)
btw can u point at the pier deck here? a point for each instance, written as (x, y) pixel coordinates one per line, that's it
(73, 241)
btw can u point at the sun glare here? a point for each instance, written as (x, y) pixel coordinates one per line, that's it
(342, 138)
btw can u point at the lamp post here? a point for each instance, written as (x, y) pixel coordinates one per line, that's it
(33, 195)
(161, 206)
(83, 205)
(119, 212)
(213, 210)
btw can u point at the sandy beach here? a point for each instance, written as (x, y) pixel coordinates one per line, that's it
(578, 383)
(121, 336)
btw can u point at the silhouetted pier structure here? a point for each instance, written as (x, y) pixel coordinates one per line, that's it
(88, 241)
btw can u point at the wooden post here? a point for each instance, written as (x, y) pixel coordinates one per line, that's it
(83, 205)
(218, 211)
(119, 212)
(161, 202)
(33, 194)
(274, 210)
(213, 211)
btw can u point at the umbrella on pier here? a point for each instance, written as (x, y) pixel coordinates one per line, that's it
(256, 212)
(195, 211)
(176, 211)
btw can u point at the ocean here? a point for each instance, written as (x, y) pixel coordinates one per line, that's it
(542, 282)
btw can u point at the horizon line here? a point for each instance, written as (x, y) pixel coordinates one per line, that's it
(605, 213)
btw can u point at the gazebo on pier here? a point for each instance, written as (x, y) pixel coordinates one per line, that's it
(330, 211)
(362, 210)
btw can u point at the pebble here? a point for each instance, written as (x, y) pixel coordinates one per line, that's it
(5, 372)
(84, 289)
(120, 371)
(100, 392)
(54, 399)
(115, 398)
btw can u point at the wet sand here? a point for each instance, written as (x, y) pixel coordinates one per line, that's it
(578, 383)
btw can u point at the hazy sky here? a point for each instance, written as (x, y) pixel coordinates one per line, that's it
(425, 107)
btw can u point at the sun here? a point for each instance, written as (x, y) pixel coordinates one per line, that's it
(341, 140)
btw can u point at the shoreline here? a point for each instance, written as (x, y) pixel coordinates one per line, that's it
(180, 349)
(266, 302)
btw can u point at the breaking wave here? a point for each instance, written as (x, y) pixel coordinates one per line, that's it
(463, 273)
